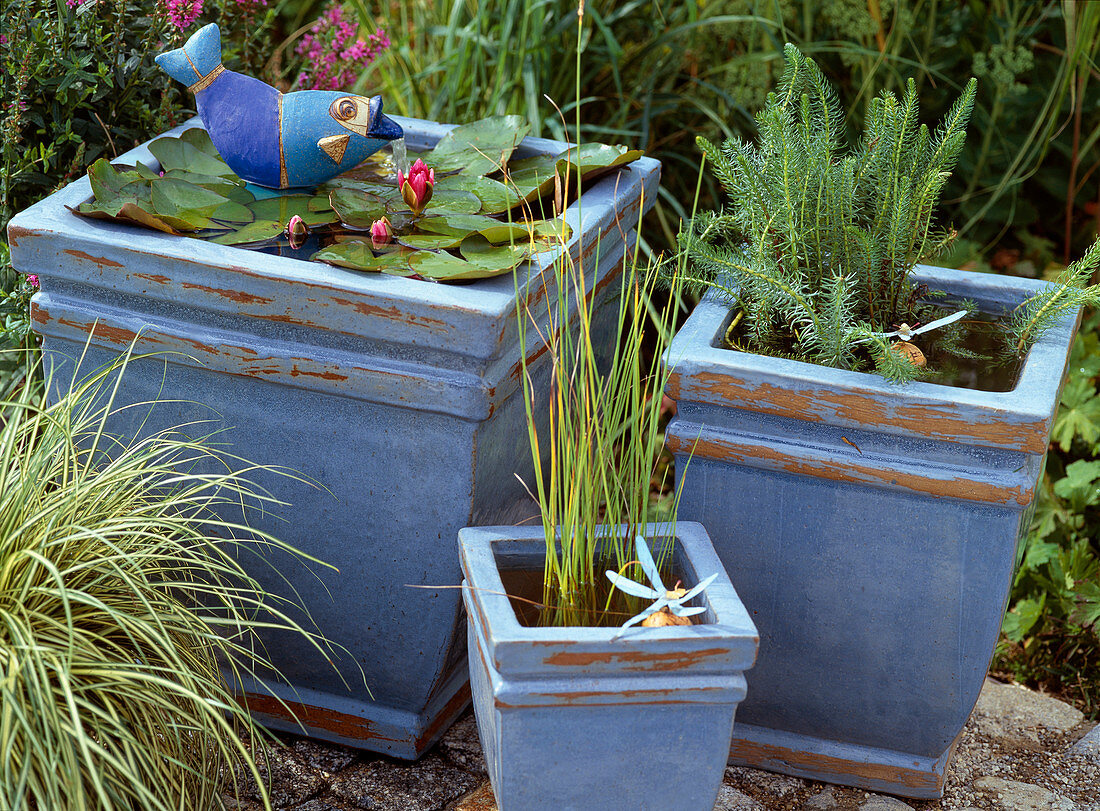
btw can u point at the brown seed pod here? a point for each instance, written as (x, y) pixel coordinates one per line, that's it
(659, 619)
(910, 352)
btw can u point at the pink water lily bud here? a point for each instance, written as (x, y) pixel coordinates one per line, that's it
(297, 231)
(416, 189)
(381, 232)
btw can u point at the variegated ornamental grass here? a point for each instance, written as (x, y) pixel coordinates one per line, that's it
(121, 599)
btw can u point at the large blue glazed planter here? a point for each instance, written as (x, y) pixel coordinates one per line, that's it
(399, 397)
(872, 531)
(573, 719)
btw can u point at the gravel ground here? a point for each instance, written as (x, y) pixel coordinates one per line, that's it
(1020, 751)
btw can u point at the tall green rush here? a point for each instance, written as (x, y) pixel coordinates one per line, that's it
(121, 602)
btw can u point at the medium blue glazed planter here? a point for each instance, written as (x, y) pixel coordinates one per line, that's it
(872, 531)
(399, 397)
(573, 719)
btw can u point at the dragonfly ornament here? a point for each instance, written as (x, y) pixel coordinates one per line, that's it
(665, 600)
(905, 333)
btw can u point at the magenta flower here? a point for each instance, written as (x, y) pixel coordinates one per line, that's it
(381, 232)
(416, 189)
(297, 231)
(33, 279)
(333, 54)
(181, 13)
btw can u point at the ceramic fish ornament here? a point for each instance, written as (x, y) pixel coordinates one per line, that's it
(273, 139)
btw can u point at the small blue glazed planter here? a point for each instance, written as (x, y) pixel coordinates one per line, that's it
(574, 718)
(400, 397)
(872, 531)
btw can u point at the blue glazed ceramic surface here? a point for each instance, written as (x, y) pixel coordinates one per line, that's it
(574, 719)
(872, 531)
(273, 139)
(399, 398)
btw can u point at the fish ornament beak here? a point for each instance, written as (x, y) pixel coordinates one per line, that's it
(364, 117)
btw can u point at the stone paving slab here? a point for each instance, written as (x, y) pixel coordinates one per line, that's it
(1020, 751)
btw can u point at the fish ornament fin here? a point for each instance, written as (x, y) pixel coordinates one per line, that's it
(334, 146)
(198, 62)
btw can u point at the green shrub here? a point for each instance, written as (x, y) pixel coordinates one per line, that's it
(1052, 630)
(121, 597)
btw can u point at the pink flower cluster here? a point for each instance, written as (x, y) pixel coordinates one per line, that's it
(181, 13)
(332, 53)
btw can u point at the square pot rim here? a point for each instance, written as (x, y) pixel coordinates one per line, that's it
(484, 588)
(1034, 396)
(494, 297)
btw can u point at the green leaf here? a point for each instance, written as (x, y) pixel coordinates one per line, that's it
(174, 153)
(282, 207)
(357, 208)
(200, 139)
(258, 231)
(1079, 414)
(360, 256)
(456, 224)
(107, 181)
(480, 147)
(429, 242)
(445, 201)
(444, 267)
(1079, 486)
(495, 197)
(591, 158)
(1087, 612)
(221, 185)
(477, 250)
(1022, 617)
(174, 196)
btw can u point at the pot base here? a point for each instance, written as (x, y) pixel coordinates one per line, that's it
(359, 724)
(879, 770)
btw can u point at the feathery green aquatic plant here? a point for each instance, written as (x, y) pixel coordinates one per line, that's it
(818, 240)
(121, 602)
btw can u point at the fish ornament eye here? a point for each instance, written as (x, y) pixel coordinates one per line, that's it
(353, 113)
(345, 109)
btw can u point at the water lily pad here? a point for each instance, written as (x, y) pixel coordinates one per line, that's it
(480, 147)
(447, 201)
(200, 139)
(320, 202)
(495, 197)
(174, 153)
(283, 207)
(444, 267)
(360, 256)
(477, 250)
(259, 231)
(456, 224)
(107, 181)
(517, 232)
(221, 185)
(590, 158)
(171, 196)
(430, 242)
(357, 208)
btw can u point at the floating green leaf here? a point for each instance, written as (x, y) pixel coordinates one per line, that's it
(480, 147)
(200, 139)
(258, 231)
(588, 159)
(479, 251)
(430, 242)
(360, 256)
(174, 153)
(283, 207)
(495, 197)
(443, 266)
(456, 224)
(357, 208)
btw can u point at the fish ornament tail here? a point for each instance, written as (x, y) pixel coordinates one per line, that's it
(198, 62)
